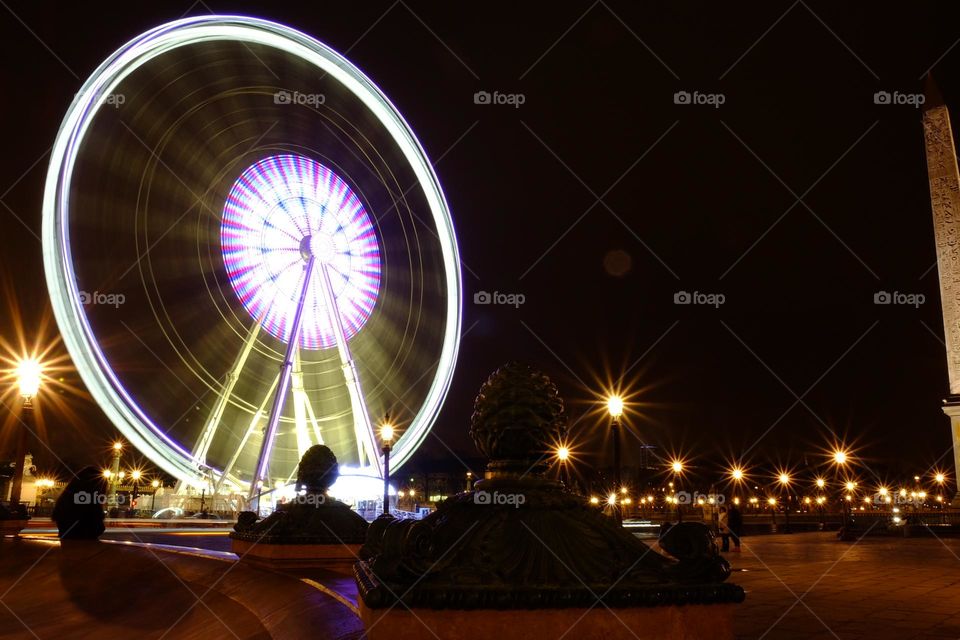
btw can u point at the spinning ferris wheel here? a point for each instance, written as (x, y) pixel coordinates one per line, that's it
(275, 252)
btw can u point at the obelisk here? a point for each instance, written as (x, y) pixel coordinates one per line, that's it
(945, 200)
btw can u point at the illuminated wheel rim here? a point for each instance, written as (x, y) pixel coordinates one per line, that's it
(359, 244)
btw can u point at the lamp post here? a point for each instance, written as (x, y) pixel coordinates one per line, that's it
(784, 480)
(563, 456)
(135, 478)
(677, 467)
(615, 409)
(386, 437)
(114, 475)
(840, 459)
(153, 500)
(28, 379)
(847, 500)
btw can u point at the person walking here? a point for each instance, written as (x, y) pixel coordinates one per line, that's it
(723, 528)
(735, 526)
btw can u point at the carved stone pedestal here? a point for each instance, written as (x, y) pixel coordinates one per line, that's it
(336, 557)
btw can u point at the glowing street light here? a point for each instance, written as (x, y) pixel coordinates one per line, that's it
(821, 483)
(28, 374)
(615, 406)
(737, 474)
(840, 457)
(386, 439)
(784, 479)
(940, 478)
(677, 466)
(563, 457)
(615, 409)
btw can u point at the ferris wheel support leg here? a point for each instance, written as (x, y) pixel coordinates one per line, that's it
(299, 408)
(213, 422)
(366, 440)
(246, 436)
(317, 433)
(266, 447)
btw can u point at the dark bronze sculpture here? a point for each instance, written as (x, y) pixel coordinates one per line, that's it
(312, 517)
(520, 540)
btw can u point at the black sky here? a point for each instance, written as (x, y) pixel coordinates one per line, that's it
(701, 198)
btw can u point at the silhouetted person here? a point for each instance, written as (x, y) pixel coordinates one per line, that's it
(735, 525)
(79, 509)
(723, 528)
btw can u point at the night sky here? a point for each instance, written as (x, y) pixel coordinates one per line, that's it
(599, 198)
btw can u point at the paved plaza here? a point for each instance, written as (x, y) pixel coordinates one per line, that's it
(799, 586)
(811, 586)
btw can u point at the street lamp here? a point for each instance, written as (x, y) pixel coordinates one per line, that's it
(784, 480)
(676, 466)
(563, 456)
(135, 477)
(29, 373)
(386, 437)
(615, 409)
(114, 476)
(153, 501)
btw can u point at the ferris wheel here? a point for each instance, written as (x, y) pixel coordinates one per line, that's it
(249, 253)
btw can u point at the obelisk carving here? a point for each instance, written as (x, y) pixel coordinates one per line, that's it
(945, 201)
